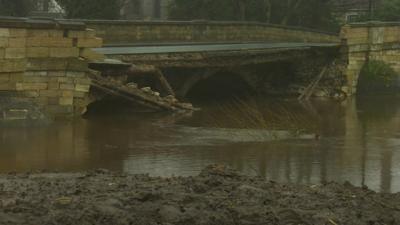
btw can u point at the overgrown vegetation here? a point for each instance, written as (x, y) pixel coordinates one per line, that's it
(19, 8)
(91, 9)
(388, 10)
(377, 76)
(311, 13)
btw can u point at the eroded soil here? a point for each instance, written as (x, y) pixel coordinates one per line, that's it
(216, 196)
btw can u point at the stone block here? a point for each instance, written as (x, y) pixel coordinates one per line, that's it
(3, 42)
(77, 64)
(49, 93)
(66, 100)
(45, 33)
(90, 33)
(12, 65)
(46, 64)
(17, 76)
(35, 73)
(17, 32)
(65, 86)
(31, 94)
(67, 94)
(85, 81)
(31, 86)
(4, 77)
(4, 32)
(53, 100)
(89, 43)
(15, 114)
(56, 73)
(66, 80)
(48, 42)
(15, 53)
(42, 101)
(77, 34)
(74, 74)
(80, 94)
(59, 109)
(90, 55)
(82, 87)
(37, 52)
(64, 52)
(17, 42)
(9, 86)
(32, 79)
(53, 85)
(2, 53)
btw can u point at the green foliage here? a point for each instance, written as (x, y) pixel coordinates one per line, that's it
(311, 13)
(377, 75)
(388, 10)
(15, 7)
(91, 9)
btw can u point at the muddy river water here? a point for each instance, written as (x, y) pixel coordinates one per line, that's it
(357, 141)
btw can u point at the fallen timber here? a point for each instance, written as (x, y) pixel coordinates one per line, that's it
(132, 92)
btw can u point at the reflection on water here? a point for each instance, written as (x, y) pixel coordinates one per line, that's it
(359, 142)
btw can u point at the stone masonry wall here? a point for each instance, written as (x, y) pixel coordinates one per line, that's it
(369, 41)
(46, 62)
(131, 32)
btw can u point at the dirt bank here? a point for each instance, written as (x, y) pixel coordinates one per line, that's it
(216, 196)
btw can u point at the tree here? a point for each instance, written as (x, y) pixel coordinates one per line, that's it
(19, 8)
(306, 13)
(388, 10)
(91, 9)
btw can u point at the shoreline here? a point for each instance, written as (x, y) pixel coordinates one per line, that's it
(218, 195)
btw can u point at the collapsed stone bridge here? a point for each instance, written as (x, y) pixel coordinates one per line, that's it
(47, 62)
(260, 56)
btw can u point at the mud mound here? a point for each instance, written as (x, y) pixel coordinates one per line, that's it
(217, 196)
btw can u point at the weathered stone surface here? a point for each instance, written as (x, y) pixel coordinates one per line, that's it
(82, 87)
(15, 53)
(16, 42)
(66, 100)
(31, 86)
(12, 65)
(64, 52)
(8, 86)
(90, 42)
(37, 52)
(65, 86)
(39, 61)
(48, 42)
(90, 54)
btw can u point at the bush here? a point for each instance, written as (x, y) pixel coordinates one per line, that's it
(377, 76)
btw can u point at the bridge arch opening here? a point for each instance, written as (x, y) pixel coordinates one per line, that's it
(220, 86)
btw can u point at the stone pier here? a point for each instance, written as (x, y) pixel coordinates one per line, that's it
(369, 41)
(45, 62)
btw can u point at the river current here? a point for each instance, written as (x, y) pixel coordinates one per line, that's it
(283, 140)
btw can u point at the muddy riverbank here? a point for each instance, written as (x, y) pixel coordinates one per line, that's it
(218, 195)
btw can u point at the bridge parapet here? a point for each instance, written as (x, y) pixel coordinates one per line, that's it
(142, 32)
(369, 41)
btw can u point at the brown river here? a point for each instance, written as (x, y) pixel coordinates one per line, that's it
(283, 140)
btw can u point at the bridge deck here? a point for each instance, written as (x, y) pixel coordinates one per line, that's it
(133, 50)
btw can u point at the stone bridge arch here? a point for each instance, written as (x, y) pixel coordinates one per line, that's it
(192, 81)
